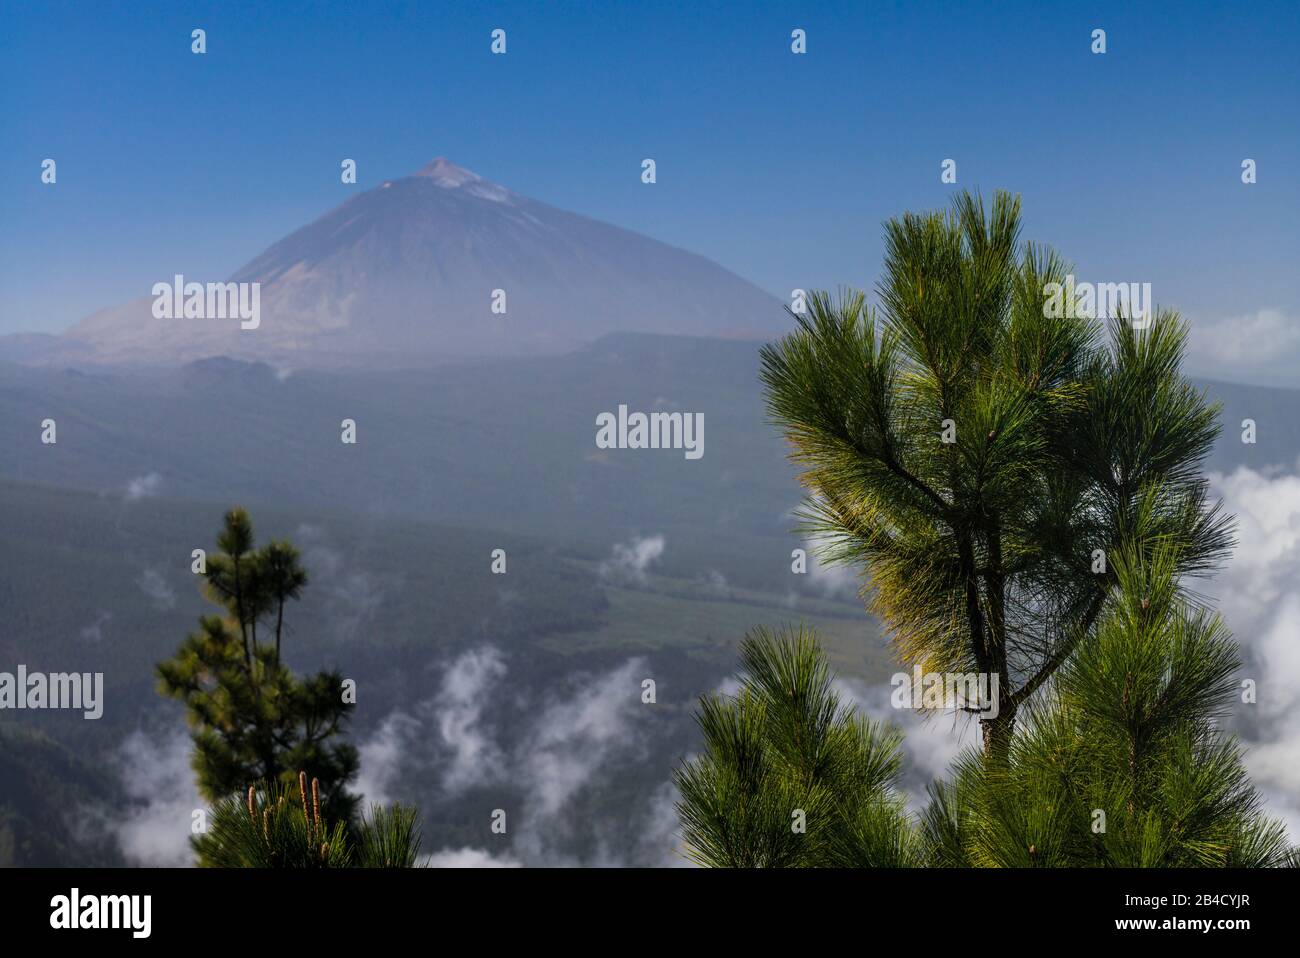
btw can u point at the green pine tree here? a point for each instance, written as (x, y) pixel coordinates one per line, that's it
(1119, 765)
(1122, 765)
(279, 826)
(981, 456)
(252, 719)
(1024, 496)
(790, 776)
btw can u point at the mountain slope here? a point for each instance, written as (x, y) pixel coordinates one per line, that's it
(406, 273)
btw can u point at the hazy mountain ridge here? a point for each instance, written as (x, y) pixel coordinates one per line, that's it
(506, 443)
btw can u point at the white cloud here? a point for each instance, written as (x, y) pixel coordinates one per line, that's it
(381, 758)
(142, 487)
(660, 843)
(832, 581)
(630, 560)
(475, 757)
(469, 858)
(154, 830)
(451, 721)
(153, 585)
(730, 686)
(1256, 594)
(574, 737)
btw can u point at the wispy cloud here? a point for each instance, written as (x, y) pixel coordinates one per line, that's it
(630, 560)
(152, 584)
(574, 741)
(381, 757)
(143, 487)
(475, 757)
(94, 632)
(573, 738)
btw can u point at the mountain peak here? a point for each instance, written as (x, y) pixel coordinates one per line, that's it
(442, 172)
(446, 173)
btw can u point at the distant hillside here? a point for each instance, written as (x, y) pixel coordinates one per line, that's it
(506, 443)
(44, 789)
(1276, 413)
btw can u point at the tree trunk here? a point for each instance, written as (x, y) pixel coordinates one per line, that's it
(997, 735)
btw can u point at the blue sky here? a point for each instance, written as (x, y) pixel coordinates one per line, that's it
(780, 167)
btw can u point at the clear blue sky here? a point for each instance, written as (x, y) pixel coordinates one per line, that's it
(780, 167)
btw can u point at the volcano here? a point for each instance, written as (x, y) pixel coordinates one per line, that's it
(442, 264)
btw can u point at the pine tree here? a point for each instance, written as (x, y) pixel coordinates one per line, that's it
(253, 720)
(1122, 765)
(1025, 499)
(980, 457)
(278, 826)
(790, 776)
